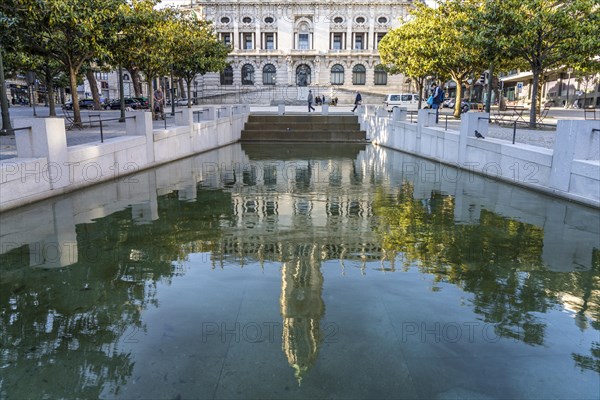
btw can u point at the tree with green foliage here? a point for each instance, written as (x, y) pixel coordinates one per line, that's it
(48, 70)
(408, 50)
(456, 55)
(69, 31)
(433, 41)
(145, 40)
(196, 50)
(548, 35)
(483, 28)
(7, 42)
(6, 126)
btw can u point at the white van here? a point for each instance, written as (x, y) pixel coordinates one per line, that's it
(409, 100)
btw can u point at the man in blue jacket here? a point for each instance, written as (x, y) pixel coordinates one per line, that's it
(357, 101)
(438, 98)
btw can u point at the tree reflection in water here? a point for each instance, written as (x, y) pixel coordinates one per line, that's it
(498, 260)
(84, 311)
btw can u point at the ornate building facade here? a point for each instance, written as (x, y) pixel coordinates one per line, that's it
(277, 45)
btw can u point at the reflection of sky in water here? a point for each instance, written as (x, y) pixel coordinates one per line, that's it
(300, 277)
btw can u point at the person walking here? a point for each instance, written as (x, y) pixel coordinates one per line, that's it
(357, 101)
(438, 97)
(310, 100)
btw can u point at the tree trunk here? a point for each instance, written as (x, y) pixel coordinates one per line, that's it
(181, 88)
(89, 74)
(137, 84)
(151, 98)
(50, 90)
(458, 100)
(189, 91)
(488, 97)
(74, 97)
(534, 98)
(419, 83)
(3, 99)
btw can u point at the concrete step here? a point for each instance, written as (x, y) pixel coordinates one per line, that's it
(303, 126)
(303, 136)
(304, 118)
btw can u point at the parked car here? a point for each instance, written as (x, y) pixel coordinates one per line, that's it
(181, 102)
(129, 102)
(144, 103)
(449, 103)
(86, 104)
(401, 100)
(83, 104)
(464, 105)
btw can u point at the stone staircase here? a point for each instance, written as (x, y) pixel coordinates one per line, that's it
(303, 128)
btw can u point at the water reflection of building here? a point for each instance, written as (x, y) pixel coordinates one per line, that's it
(301, 212)
(317, 202)
(302, 308)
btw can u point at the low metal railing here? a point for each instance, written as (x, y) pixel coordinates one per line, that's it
(101, 121)
(8, 131)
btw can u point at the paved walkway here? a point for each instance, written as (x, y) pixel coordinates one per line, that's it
(91, 132)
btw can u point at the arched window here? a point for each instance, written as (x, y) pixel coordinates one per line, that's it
(247, 75)
(337, 75)
(227, 76)
(303, 75)
(359, 74)
(269, 73)
(380, 75)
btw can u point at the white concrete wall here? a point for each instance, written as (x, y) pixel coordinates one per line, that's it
(571, 170)
(48, 228)
(46, 167)
(570, 230)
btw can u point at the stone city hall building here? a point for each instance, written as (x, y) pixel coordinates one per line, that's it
(278, 45)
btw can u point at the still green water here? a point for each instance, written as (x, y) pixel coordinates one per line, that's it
(265, 271)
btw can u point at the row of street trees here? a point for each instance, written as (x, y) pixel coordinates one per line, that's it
(458, 38)
(67, 38)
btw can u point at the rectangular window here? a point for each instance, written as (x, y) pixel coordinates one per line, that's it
(303, 41)
(270, 41)
(378, 37)
(337, 41)
(247, 40)
(226, 38)
(359, 41)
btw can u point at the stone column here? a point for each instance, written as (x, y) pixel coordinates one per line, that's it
(349, 22)
(470, 123)
(575, 140)
(399, 114)
(141, 125)
(183, 117)
(46, 138)
(426, 118)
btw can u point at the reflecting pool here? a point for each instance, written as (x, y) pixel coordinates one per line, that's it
(300, 271)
